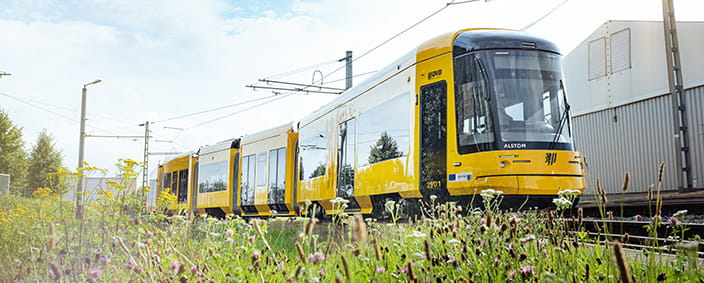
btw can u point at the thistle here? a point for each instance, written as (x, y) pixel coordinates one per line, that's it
(624, 273)
(626, 181)
(428, 255)
(345, 266)
(359, 229)
(650, 192)
(300, 251)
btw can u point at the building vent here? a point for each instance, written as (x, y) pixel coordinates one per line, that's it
(4, 184)
(621, 50)
(597, 58)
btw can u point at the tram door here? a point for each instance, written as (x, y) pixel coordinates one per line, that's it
(433, 138)
(345, 162)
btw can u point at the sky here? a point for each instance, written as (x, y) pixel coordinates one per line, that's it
(162, 59)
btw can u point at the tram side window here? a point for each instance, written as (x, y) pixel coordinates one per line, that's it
(277, 171)
(182, 185)
(314, 151)
(248, 174)
(167, 181)
(213, 177)
(383, 131)
(261, 169)
(174, 182)
(474, 124)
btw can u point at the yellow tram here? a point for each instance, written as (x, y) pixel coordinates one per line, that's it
(466, 111)
(176, 177)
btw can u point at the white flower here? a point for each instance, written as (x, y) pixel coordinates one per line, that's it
(417, 234)
(454, 241)
(680, 213)
(433, 197)
(527, 238)
(561, 202)
(487, 192)
(339, 200)
(390, 205)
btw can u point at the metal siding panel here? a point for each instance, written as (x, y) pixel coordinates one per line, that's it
(637, 143)
(695, 122)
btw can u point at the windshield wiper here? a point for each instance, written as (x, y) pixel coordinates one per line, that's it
(564, 119)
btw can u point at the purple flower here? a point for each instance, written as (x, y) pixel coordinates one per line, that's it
(229, 240)
(96, 272)
(674, 221)
(229, 232)
(281, 265)
(194, 269)
(104, 259)
(482, 221)
(527, 271)
(404, 269)
(316, 257)
(511, 275)
(451, 259)
(380, 269)
(174, 264)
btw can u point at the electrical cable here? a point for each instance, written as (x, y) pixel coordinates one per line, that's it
(301, 69)
(214, 109)
(239, 111)
(400, 33)
(37, 106)
(544, 16)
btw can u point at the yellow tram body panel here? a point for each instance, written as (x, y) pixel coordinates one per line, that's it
(177, 173)
(215, 175)
(267, 170)
(516, 172)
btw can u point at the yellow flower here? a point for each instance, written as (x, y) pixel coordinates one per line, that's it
(107, 194)
(131, 162)
(42, 192)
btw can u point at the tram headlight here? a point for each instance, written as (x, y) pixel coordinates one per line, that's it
(502, 164)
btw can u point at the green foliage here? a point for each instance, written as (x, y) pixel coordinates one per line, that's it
(43, 159)
(117, 241)
(13, 159)
(385, 148)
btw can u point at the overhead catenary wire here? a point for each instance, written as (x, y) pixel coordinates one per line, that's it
(214, 109)
(399, 34)
(33, 103)
(240, 111)
(544, 16)
(37, 103)
(299, 70)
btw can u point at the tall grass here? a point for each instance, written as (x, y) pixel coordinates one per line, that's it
(118, 242)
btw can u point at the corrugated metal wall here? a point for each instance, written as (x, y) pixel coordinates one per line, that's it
(635, 138)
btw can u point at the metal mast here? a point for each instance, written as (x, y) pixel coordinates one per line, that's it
(674, 77)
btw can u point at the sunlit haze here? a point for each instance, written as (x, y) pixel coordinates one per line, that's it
(163, 59)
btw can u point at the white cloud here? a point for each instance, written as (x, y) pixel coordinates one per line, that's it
(161, 59)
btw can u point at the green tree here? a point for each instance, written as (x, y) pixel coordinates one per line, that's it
(13, 158)
(385, 148)
(44, 158)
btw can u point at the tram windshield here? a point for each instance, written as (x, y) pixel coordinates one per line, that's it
(510, 99)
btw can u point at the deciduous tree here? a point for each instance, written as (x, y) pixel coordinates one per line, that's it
(13, 158)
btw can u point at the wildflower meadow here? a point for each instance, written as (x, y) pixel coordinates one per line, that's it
(117, 241)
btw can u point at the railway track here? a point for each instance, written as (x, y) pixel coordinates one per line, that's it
(637, 234)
